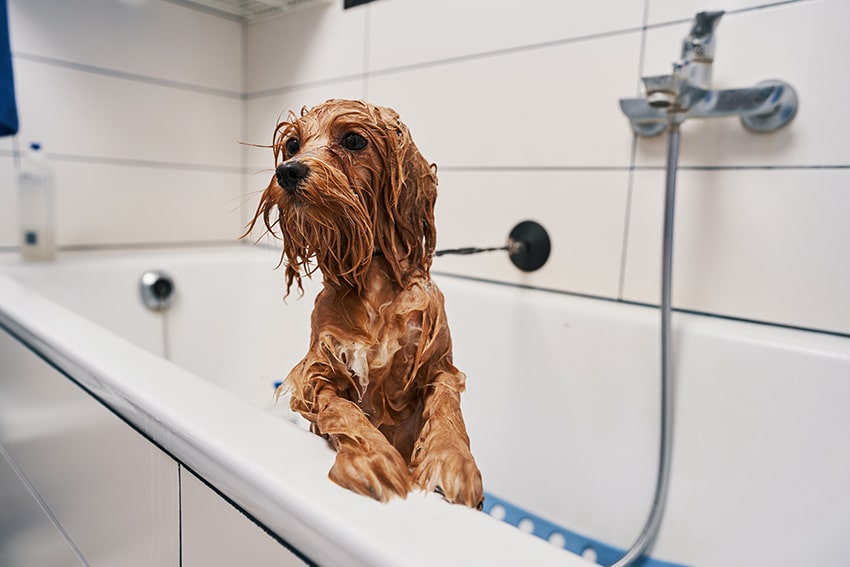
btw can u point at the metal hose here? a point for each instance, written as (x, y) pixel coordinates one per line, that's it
(662, 481)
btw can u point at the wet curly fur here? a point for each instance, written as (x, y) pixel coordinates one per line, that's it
(353, 197)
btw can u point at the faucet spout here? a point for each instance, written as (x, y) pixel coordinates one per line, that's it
(673, 92)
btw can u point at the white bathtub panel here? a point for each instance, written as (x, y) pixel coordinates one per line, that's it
(758, 455)
(160, 40)
(760, 460)
(86, 114)
(27, 536)
(214, 533)
(8, 202)
(113, 492)
(263, 114)
(552, 414)
(765, 245)
(323, 43)
(520, 109)
(118, 204)
(403, 32)
(751, 47)
(583, 212)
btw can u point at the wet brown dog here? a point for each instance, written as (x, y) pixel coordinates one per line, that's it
(353, 197)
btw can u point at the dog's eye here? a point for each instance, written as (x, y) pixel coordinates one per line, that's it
(353, 142)
(292, 146)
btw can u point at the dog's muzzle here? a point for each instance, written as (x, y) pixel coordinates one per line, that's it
(290, 173)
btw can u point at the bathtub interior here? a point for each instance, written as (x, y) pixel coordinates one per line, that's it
(561, 402)
(228, 322)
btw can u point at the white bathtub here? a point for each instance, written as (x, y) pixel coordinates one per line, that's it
(561, 406)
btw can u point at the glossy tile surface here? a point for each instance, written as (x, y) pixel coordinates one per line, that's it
(153, 40)
(403, 32)
(764, 245)
(215, 533)
(112, 491)
(581, 211)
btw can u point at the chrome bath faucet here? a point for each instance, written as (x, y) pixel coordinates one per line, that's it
(686, 92)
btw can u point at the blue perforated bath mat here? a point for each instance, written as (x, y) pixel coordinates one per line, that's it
(592, 549)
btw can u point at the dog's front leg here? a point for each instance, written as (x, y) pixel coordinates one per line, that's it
(366, 462)
(442, 461)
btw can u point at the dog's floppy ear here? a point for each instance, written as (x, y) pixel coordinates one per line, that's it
(408, 239)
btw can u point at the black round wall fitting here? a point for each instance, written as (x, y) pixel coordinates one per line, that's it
(529, 246)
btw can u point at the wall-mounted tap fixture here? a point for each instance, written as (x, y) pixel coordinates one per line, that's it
(670, 100)
(686, 92)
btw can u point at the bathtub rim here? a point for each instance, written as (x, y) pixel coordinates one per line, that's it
(323, 526)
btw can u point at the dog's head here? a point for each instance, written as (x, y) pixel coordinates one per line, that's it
(349, 185)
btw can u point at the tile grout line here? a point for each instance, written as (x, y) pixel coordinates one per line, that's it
(125, 75)
(635, 303)
(134, 162)
(242, 170)
(624, 246)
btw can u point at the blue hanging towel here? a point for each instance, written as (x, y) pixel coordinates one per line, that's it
(8, 108)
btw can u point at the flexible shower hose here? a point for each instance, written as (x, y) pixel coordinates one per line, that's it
(653, 521)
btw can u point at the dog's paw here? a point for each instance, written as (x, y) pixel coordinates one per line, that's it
(451, 472)
(380, 473)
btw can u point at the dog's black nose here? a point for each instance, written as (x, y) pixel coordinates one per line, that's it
(289, 174)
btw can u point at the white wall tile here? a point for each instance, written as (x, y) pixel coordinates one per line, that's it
(115, 204)
(8, 202)
(583, 212)
(113, 492)
(764, 44)
(765, 245)
(87, 114)
(215, 533)
(406, 32)
(305, 47)
(671, 10)
(151, 38)
(545, 107)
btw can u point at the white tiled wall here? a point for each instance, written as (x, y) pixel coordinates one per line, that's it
(519, 110)
(138, 105)
(143, 104)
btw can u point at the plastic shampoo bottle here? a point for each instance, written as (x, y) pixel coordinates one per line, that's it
(36, 206)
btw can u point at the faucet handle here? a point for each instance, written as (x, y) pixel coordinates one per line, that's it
(705, 22)
(699, 45)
